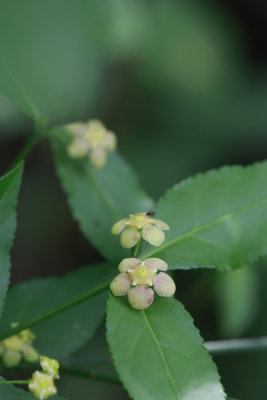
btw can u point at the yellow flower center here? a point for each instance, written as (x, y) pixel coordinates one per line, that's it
(139, 220)
(142, 275)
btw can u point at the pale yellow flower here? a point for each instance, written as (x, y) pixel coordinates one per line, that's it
(91, 139)
(42, 385)
(136, 279)
(137, 226)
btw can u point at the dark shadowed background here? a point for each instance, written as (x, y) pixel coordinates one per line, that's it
(184, 86)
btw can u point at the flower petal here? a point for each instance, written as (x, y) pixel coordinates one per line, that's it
(121, 284)
(153, 235)
(164, 285)
(78, 148)
(11, 358)
(130, 237)
(76, 128)
(119, 226)
(156, 263)
(98, 157)
(140, 297)
(128, 263)
(111, 141)
(29, 353)
(160, 224)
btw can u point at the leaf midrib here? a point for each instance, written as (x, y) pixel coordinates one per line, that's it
(162, 356)
(205, 226)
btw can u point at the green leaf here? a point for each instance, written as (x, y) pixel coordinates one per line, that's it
(10, 392)
(74, 326)
(99, 198)
(217, 219)
(9, 189)
(237, 298)
(158, 353)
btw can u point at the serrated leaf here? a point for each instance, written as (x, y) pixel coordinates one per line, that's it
(10, 392)
(217, 219)
(64, 333)
(9, 189)
(158, 352)
(237, 298)
(99, 197)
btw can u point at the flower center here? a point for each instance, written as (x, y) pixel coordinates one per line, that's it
(139, 220)
(142, 275)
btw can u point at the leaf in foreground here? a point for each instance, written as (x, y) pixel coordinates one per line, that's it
(158, 353)
(9, 189)
(99, 197)
(217, 219)
(64, 333)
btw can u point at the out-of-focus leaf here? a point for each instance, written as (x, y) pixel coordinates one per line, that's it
(237, 300)
(158, 352)
(64, 333)
(99, 197)
(217, 219)
(9, 189)
(10, 392)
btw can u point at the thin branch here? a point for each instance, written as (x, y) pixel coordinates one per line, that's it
(26, 148)
(236, 345)
(54, 311)
(15, 382)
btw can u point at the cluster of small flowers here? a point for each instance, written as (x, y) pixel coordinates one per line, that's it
(91, 139)
(42, 383)
(137, 277)
(18, 347)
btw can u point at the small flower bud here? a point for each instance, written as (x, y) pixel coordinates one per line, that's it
(42, 385)
(140, 297)
(120, 284)
(27, 336)
(11, 358)
(50, 366)
(164, 285)
(29, 353)
(14, 343)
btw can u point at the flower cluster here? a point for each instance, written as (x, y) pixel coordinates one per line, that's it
(140, 225)
(18, 347)
(92, 139)
(42, 383)
(137, 278)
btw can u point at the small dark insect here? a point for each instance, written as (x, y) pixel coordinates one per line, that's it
(151, 213)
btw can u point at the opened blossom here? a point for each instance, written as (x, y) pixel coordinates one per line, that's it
(91, 139)
(140, 225)
(137, 278)
(42, 385)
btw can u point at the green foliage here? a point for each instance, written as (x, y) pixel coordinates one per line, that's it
(9, 392)
(158, 353)
(237, 296)
(217, 219)
(74, 326)
(9, 188)
(98, 198)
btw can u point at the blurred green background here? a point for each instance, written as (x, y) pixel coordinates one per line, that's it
(184, 86)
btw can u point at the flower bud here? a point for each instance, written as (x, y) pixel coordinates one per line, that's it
(50, 366)
(11, 358)
(14, 343)
(29, 353)
(164, 285)
(140, 297)
(120, 284)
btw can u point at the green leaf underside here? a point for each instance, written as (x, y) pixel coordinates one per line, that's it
(99, 197)
(64, 333)
(9, 189)
(10, 392)
(217, 219)
(158, 353)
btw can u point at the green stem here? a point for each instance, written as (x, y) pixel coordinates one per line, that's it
(26, 148)
(137, 247)
(15, 382)
(54, 311)
(96, 376)
(236, 345)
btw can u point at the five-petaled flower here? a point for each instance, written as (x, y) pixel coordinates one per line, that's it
(42, 385)
(92, 139)
(140, 225)
(136, 279)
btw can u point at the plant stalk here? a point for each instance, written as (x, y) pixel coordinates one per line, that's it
(236, 345)
(15, 382)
